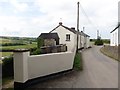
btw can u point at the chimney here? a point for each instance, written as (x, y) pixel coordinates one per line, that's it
(60, 23)
(73, 28)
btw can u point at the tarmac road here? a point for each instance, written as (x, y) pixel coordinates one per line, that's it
(99, 71)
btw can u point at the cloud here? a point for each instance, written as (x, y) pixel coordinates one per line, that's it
(32, 17)
(19, 6)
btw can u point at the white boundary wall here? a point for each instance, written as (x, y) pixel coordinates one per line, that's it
(29, 67)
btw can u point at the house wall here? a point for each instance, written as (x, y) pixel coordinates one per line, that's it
(119, 36)
(82, 41)
(29, 67)
(119, 23)
(62, 35)
(49, 42)
(88, 42)
(114, 38)
(78, 42)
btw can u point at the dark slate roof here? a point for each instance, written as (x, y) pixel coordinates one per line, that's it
(49, 36)
(84, 34)
(70, 29)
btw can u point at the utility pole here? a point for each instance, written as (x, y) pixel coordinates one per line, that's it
(97, 34)
(83, 29)
(77, 26)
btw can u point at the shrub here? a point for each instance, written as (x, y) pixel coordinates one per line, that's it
(98, 42)
(36, 52)
(40, 42)
(7, 67)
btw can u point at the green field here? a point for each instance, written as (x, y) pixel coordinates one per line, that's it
(29, 43)
(6, 53)
(19, 47)
(3, 40)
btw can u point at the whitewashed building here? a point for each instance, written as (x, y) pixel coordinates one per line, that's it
(115, 34)
(68, 36)
(114, 37)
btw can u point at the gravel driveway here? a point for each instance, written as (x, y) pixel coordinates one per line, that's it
(99, 71)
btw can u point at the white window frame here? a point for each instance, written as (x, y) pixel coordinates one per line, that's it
(67, 37)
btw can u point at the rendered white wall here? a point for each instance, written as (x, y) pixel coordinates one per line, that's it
(62, 35)
(119, 23)
(114, 38)
(43, 65)
(29, 67)
(21, 66)
(88, 42)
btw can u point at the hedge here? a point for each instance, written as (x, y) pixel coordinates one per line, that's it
(98, 42)
(7, 67)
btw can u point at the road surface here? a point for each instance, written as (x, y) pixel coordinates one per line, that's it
(99, 71)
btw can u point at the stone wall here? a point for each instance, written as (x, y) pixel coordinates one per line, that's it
(53, 49)
(49, 42)
(111, 51)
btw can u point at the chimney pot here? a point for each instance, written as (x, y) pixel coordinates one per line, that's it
(60, 23)
(73, 28)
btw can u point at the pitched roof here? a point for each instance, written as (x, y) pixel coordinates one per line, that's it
(84, 34)
(70, 29)
(115, 28)
(49, 36)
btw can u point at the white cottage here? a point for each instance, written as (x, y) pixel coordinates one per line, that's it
(114, 37)
(115, 34)
(68, 36)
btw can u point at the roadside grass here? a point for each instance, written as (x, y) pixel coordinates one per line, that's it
(6, 83)
(6, 80)
(109, 54)
(78, 63)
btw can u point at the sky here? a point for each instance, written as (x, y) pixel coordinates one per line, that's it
(30, 18)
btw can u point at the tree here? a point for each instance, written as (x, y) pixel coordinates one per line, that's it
(40, 42)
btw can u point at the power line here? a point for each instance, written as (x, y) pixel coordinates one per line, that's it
(83, 11)
(116, 25)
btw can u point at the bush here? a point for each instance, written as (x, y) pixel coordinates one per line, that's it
(106, 41)
(98, 42)
(36, 52)
(40, 42)
(7, 67)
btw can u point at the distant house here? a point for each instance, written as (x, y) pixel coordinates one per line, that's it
(49, 39)
(68, 36)
(114, 37)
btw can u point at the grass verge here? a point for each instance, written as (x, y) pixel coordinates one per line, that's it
(7, 83)
(78, 63)
(107, 53)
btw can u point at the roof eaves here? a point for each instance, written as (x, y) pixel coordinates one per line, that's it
(115, 28)
(74, 31)
(54, 28)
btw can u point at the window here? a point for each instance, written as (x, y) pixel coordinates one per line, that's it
(67, 37)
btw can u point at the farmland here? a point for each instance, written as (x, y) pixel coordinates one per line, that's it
(24, 42)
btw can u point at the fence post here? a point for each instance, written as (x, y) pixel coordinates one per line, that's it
(20, 67)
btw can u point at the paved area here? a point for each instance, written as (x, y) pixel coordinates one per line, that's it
(99, 71)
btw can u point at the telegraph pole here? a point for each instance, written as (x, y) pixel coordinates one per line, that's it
(83, 29)
(97, 34)
(77, 26)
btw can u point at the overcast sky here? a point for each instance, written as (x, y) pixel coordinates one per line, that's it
(29, 18)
